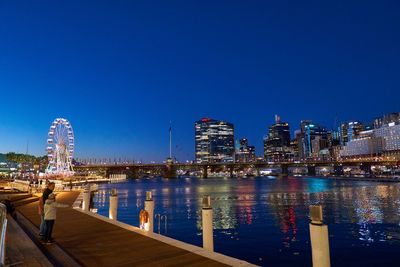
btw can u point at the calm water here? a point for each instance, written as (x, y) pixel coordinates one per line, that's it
(265, 220)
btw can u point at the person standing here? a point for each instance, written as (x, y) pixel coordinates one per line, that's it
(49, 190)
(50, 212)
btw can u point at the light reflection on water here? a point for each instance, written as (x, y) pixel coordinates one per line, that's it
(265, 221)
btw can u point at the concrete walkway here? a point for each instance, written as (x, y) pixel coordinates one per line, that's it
(93, 242)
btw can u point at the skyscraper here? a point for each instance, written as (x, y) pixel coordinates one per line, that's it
(214, 141)
(277, 142)
(349, 131)
(309, 132)
(244, 152)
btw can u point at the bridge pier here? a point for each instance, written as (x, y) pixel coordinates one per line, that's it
(284, 170)
(258, 172)
(133, 172)
(338, 170)
(231, 169)
(205, 171)
(170, 169)
(311, 170)
(366, 168)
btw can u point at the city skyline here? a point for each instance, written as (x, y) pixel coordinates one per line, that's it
(260, 152)
(121, 76)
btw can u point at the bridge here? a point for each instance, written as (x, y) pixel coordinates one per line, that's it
(169, 170)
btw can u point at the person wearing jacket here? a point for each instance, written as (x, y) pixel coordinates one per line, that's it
(50, 213)
(49, 189)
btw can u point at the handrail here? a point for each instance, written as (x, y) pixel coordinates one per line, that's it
(165, 223)
(158, 215)
(160, 218)
(3, 228)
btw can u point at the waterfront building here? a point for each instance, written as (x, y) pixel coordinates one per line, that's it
(296, 145)
(245, 153)
(366, 145)
(335, 152)
(309, 132)
(391, 139)
(214, 141)
(318, 145)
(349, 131)
(277, 142)
(294, 149)
(386, 119)
(381, 141)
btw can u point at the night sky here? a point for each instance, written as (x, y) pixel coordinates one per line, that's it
(120, 71)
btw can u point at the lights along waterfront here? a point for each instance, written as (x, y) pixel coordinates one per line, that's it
(264, 220)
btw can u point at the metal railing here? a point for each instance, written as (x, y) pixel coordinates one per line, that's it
(160, 218)
(3, 228)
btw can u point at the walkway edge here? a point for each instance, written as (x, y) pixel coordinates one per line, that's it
(170, 241)
(54, 253)
(19, 241)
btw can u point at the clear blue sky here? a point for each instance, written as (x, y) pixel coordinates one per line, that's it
(120, 71)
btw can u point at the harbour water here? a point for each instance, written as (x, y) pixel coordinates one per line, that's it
(264, 220)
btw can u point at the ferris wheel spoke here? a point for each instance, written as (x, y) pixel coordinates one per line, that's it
(63, 127)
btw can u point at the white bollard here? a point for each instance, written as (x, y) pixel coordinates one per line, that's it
(86, 200)
(112, 212)
(207, 224)
(149, 207)
(319, 238)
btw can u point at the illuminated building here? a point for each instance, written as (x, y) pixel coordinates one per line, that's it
(366, 145)
(318, 144)
(277, 142)
(309, 132)
(349, 131)
(294, 148)
(244, 152)
(384, 140)
(214, 141)
(386, 119)
(391, 139)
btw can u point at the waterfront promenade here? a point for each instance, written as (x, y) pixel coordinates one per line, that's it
(90, 241)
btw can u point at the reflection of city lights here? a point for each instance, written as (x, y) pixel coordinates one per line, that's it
(165, 190)
(241, 204)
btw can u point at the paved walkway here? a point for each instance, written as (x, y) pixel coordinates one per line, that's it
(92, 242)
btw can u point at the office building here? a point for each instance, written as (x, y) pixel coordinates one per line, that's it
(309, 132)
(277, 142)
(245, 153)
(366, 145)
(349, 131)
(386, 119)
(381, 141)
(214, 141)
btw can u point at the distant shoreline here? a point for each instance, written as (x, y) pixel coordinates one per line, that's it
(353, 178)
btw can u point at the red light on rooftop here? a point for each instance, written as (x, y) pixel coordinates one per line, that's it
(205, 119)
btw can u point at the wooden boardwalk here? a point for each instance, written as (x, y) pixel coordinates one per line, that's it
(93, 242)
(20, 250)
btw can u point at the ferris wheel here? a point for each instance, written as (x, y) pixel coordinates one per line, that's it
(60, 148)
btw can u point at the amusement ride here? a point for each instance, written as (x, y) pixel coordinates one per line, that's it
(60, 148)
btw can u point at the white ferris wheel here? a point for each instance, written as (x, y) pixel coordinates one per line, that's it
(60, 148)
